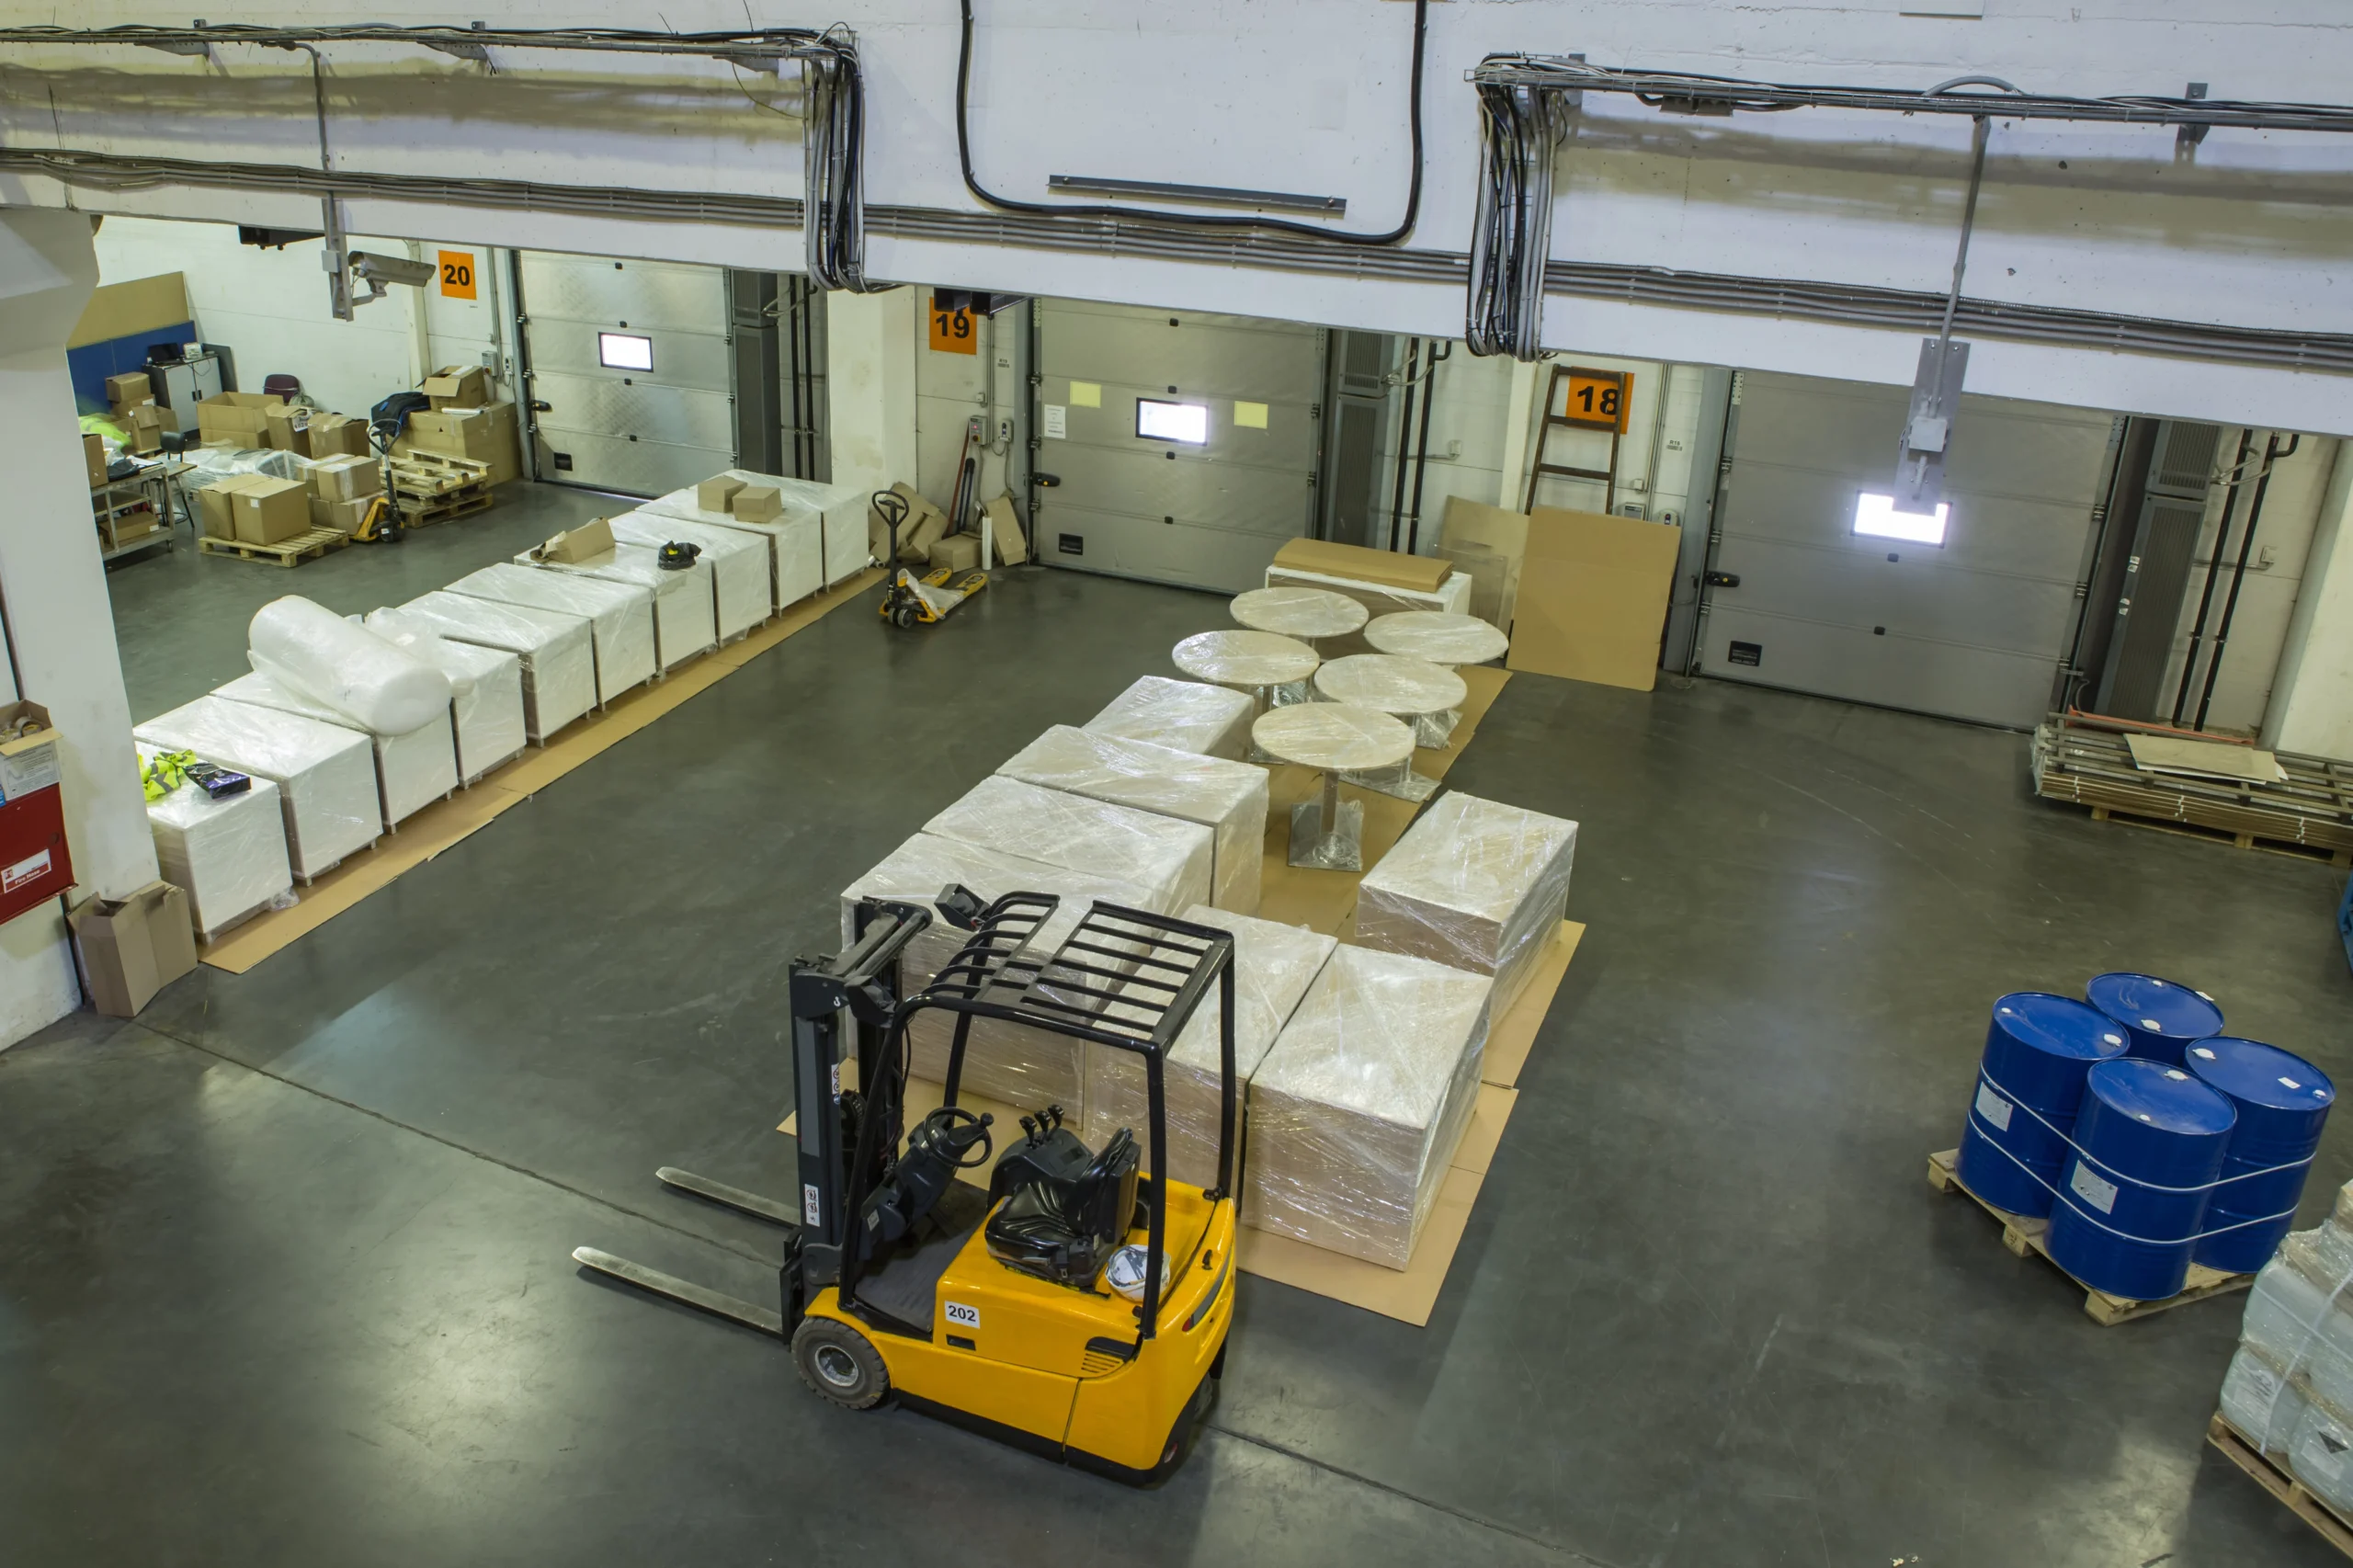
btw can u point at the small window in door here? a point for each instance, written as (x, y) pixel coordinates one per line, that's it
(624, 352)
(1185, 422)
(1876, 517)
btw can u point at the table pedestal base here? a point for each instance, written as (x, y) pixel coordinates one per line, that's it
(1401, 782)
(1313, 847)
(1434, 730)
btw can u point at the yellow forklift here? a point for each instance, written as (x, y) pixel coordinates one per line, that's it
(1078, 1305)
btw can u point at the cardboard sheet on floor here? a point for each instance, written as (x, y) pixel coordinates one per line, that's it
(443, 823)
(1511, 1037)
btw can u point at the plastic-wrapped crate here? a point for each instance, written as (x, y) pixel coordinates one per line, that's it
(228, 855)
(486, 690)
(1228, 798)
(1183, 715)
(1011, 1063)
(555, 653)
(843, 508)
(1166, 859)
(684, 621)
(326, 775)
(738, 563)
(1355, 1111)
(412, 770)
(619, 616)
(1273, 967)
(796, 538)
(1474, 885)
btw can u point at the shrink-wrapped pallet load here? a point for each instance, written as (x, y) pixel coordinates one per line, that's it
(1166, 859)
(841, 510)
(326, 775)
(1474, 885)
(620, 615)
(316, 652)
(1183, 715)
(555, 652)
(1355, 1111)
(1274, 965)
(740, 582)
(1003, 1062)
(796, 535)
(228, 854)
(413, 770)
(486, 690)
(2289, 1390)
(686, 622)
(1228, 798)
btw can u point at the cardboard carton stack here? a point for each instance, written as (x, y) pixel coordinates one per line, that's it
(131, 399)
(343, 488)
(464, 422)
(236, 419)
(252, 508)
(1383, 581)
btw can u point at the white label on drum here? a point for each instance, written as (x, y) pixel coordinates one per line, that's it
(1992, 1106)
(963, 1316)
(2101, 1195)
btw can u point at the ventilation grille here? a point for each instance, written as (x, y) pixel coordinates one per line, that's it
(2185, 457)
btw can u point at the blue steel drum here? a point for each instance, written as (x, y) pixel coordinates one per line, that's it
(2149, 1143)
(2282, 1101)
(2037, 1049)
(2159, 1016)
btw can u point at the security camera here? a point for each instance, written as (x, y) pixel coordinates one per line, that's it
(377, 270)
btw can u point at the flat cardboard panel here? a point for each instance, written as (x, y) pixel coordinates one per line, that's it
(1511, 1037)
(1004, 532)
(1390, 567)
(1490, 544)
(93, 457)
(1593, 593)
(124, 310)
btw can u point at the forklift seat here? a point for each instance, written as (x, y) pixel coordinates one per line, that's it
(1065, 1228)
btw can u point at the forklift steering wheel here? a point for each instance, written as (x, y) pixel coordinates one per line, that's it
(954, 1115)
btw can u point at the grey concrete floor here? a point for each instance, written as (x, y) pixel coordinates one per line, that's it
(284, 1271)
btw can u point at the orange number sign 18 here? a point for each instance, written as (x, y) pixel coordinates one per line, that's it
(1598, 400)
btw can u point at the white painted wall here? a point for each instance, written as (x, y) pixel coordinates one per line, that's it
(872, 342)
(2311, 708)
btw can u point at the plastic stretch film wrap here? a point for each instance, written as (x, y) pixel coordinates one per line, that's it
(1168, 861)
(1304, 613)
(796, 538)
(228, 855)
(841, 507)
(209, 466)
(1334, 737)
(1250, 661)
(1392, 683)
(1355, 1111)
(1273, 967)
(1474, 885)
(485, 684)
(412, 770)
(1015, 1064)
(620, 615)
(685, 622)
(1452, 597)
(556, 651)
(738, 564)
(326, 775)
(1441, 639)
(1183, 715)
(345, 667)
(1228, 798)
(2289, 1387)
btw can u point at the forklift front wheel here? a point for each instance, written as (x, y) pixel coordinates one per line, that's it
(838, 1362)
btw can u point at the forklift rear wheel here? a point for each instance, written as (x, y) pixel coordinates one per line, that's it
(838, 1362)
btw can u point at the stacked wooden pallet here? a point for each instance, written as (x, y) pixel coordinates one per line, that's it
(286, 552)
(2309, 813)
(429, 488)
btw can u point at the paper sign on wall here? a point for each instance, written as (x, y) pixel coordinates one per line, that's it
(1085, 395)
(1250, 416)
(458, 274)
(1057, 422)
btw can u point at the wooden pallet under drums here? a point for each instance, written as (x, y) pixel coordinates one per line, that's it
(2242, 1451)
(2023, 1234)
(286, 552)
(2309, 814)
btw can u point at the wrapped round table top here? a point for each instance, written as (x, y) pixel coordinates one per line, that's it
(1245, 658)
(1391, 683)
(1337, 737)
(1434, 635)
(1298, 612)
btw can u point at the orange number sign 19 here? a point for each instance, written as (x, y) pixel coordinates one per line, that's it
(458, 274)
(951, 331)
(1598, 399)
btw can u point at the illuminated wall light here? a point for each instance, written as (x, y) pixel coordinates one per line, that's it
(624, 352)
(1876, 517)
(1158, 421)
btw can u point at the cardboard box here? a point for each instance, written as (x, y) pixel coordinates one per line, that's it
(93, 457)
(144, 425)
(713, 493)
(29, 762)
(1388, 567)
(346, 478)
(1489, 543)
(458, 386)
(924, 525)
(483, 435)
(343, 516)
(1004, 532)
(587, 542)
(956, 552)
(756, 504)
(212, 504)
(338, 435)
(132, 949)
(270, 511)
(129, 387)
(288, 426)
(236, 419)
(1592, 600)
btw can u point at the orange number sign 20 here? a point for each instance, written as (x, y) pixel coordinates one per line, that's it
(458, 274)
(951, 331)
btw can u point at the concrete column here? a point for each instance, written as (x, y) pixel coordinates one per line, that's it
(870, 386)
(2312, 697)
(1519, 417)
(53, 592)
